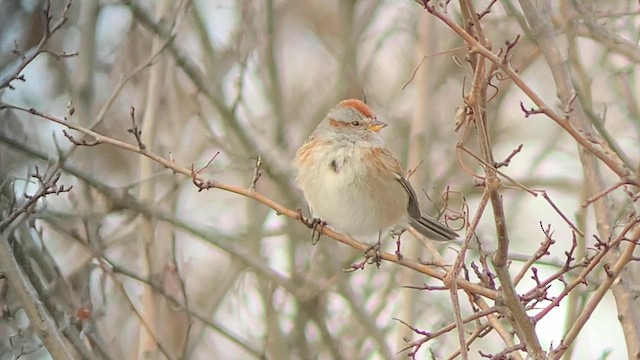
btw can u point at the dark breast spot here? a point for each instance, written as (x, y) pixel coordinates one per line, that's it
(337, 164)
(334, 165)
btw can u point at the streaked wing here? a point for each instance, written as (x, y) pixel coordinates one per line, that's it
(413, 207)
(386, 160)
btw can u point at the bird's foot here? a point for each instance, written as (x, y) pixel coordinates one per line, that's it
(315, 224)
(372, 255)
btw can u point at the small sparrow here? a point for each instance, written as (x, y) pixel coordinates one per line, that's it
(353, 183)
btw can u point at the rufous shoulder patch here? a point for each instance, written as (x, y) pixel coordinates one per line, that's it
(383, 161)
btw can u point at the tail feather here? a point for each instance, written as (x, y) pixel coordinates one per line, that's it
(433, 229)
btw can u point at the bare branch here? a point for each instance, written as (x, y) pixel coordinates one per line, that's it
(203, 184)
(50, 29)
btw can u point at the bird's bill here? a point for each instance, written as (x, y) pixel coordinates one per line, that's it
(376, 125)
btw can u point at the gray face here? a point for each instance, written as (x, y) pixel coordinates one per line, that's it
(347, 123)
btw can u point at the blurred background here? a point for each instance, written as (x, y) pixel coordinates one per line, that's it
(242, 79)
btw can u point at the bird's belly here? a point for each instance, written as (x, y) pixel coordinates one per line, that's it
(353, 203)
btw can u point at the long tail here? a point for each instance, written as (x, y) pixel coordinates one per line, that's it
(433, 229)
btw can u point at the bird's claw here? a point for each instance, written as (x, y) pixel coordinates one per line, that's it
(315, 224)
(373, 254)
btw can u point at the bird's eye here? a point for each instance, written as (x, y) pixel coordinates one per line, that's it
(355, 123)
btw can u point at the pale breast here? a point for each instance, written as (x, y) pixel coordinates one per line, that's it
(350, 196)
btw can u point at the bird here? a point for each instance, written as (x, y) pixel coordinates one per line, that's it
(353, 183)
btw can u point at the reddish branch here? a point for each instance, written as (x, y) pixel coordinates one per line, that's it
(609, 159)
(427, 335)
(507, 160)
(590, 263)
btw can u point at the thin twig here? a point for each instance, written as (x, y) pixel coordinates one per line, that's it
(507, 160)
(603, 193)
(134, 129)
(256, 174)
(434, 334)
(47, 185)
(581, 320)
(49, 30)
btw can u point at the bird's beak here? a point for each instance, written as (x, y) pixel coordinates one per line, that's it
(376, 125)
